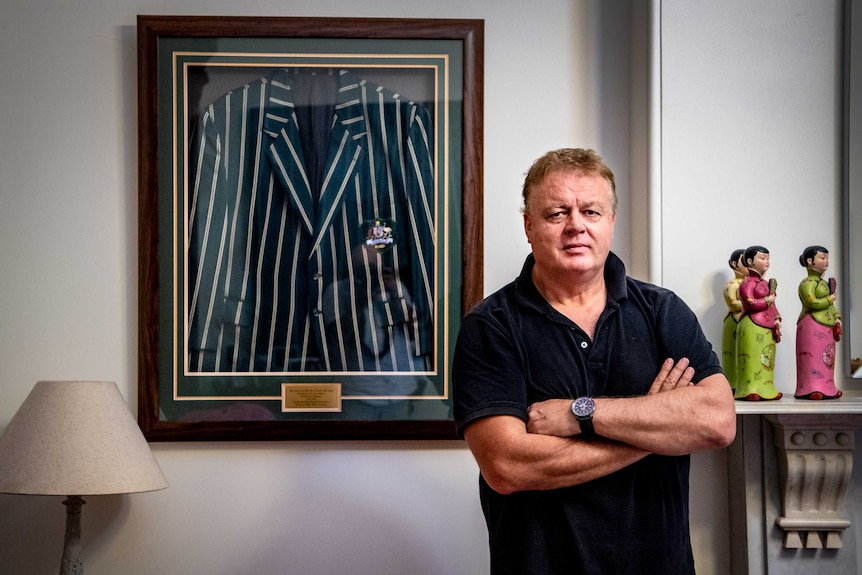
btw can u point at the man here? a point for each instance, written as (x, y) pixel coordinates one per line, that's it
(581, 392)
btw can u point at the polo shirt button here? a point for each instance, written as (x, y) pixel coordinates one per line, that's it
(584, 345)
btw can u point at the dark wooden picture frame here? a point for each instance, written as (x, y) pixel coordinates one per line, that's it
(181, 57)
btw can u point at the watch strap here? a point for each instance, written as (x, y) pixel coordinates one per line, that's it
(583, 409)
(587, 429)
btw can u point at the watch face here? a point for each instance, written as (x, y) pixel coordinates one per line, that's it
(583, 406)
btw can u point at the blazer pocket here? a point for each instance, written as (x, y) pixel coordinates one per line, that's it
(392, 312)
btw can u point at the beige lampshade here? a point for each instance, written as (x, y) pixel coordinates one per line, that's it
(76, 438)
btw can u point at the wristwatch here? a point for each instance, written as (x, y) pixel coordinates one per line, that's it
(583, 408)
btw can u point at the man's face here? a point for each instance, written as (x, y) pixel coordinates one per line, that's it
(569, 222)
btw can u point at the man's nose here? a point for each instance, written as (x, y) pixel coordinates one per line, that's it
(574, 223)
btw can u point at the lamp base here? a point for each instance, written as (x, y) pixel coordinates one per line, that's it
(69, 568)
(70, 565)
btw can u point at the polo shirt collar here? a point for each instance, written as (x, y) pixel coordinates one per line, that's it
(615, 282)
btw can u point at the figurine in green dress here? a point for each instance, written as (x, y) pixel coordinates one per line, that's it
(817, 330)
(734, 313)
(759, 330)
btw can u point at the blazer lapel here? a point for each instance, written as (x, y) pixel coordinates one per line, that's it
(341, 166)
(285, 150)
(344, 156)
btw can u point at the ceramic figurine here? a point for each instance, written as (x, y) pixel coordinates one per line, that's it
(759, 330)
(731, 320)
(817, 330)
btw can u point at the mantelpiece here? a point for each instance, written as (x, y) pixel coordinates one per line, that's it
(849, 404)
(790, 485)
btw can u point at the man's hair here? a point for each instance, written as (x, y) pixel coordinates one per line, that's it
(573, 160)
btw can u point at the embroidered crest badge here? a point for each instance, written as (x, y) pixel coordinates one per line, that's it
(379, 234)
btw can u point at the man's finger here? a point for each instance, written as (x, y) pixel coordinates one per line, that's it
(676, 374)
(663, 373)
(672, 375)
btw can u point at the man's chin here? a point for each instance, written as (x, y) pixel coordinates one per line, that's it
(583, 266)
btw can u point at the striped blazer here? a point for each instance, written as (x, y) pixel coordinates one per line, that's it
(311, 236)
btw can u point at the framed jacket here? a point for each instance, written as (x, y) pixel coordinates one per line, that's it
(311, 234)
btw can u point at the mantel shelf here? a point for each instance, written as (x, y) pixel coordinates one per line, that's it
(849, 403)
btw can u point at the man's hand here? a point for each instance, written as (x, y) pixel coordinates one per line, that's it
(552, 417)
(555, 417)
(671, 376)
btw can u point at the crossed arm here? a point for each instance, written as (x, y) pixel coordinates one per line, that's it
(674, 418)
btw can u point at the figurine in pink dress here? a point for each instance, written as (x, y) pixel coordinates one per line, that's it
(734, 313)
(759, 330)
(817, 330)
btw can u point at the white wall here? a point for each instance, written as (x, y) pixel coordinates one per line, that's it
(68, 220)
(751, 147)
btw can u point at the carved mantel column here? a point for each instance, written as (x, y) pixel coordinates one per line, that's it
(815, 460)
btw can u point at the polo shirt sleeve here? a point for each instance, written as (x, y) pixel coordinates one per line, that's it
(680, 335)
(487, 372)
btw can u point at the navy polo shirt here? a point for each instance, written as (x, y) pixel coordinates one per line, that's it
(514, 349)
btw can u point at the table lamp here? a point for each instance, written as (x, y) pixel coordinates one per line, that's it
(76, 438)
